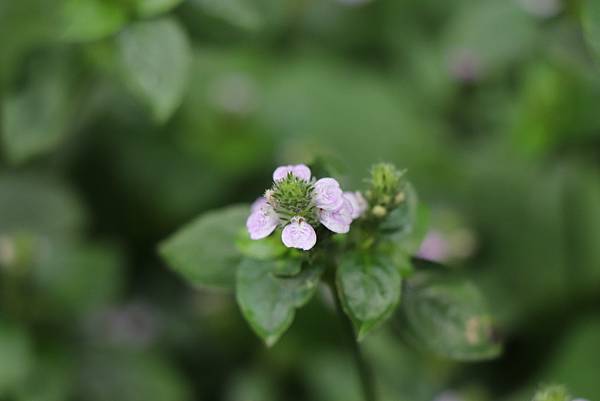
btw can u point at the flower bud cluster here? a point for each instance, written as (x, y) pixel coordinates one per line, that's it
(386, 189)
(298, 203)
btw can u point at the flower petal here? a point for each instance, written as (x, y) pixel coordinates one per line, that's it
(262, 223)
(302, 171)
(328, 194)
(299, 234)
(358, 202)
(299, 170)
(339, 220)
(282, 172)
(258, 204)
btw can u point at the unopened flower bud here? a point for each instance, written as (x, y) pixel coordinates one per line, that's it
(400, 197)
(379, 211)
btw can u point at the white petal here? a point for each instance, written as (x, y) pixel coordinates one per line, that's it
(299, 235)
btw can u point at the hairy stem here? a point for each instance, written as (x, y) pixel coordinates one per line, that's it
(363, 369)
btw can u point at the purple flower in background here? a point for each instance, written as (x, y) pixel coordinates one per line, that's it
(299, 234)
(434, 247)
(339, 220)
(299, 170)
(328, 194)
(262, 222)
(358, 203)
(465, 66)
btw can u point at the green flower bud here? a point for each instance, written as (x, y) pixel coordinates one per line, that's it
(552, 393)
(379, 211)
(386, 185)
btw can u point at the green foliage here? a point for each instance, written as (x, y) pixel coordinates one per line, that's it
(16, 356)
(449, 316)
(149, 8)
(129, 376)
(369, 287)
(269, 301)
(241, 13)
(204, 252)
(591, 24)
(552, 393)
(118, 123)
(49, 95)
(37, 205)
(89, 20)
(154, 57)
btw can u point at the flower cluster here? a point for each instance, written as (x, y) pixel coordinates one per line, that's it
(298, 204)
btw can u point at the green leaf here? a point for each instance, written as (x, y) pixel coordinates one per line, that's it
(88, 20)
(241, 13)
(448, 315)
(51, 379)
(76, 279)
(407, 225)
(154, 57)
(552, 393)
(267, 301)
(38, 205)
(36, 118)
(264, 249)
(121, 375)
(204, 251)
(369, 288)
(590, 15)
(16, 357)
(474, 33)
(149, 8)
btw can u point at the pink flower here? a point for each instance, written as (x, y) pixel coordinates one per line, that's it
(262, 222)
(328, 194)
(299, 170)
(339, 220)
(358, 202)
(299, 234)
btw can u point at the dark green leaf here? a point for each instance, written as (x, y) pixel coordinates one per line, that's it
(88, 20)
(369, 288)
(264, 249)
(132, 376)
(449, 316)
(76, 279)
(241, 13)
(47, 95)
(269, 302)
(591, 23)
(155, 57)
(16, 357)
(38, 205)
(204, 251)
(474, 34)
(148, 8)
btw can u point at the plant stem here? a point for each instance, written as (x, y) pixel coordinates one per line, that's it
(364, 371)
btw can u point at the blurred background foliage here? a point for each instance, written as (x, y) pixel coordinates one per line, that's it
(123, 119)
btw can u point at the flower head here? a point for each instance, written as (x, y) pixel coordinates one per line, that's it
(298, 205)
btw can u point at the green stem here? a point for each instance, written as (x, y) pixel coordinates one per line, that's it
(363, 368)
